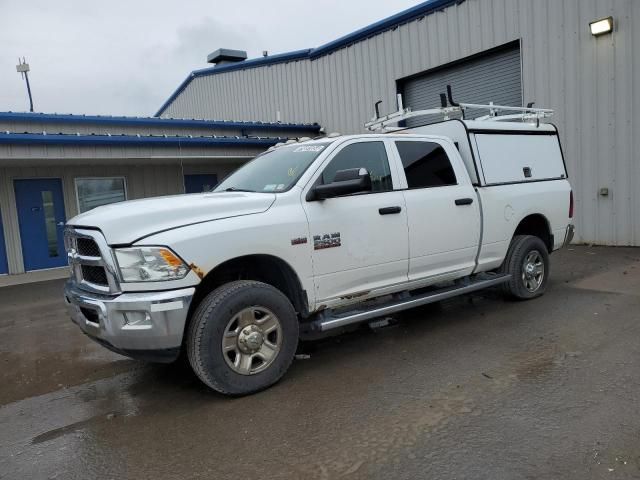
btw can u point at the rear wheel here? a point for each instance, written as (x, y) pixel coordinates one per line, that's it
(242, 337)
(527, 261)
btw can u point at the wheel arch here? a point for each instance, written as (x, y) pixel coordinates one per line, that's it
(260, 267)
(538, 225)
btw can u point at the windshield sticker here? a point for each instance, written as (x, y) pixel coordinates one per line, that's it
(310, 148)
(280, 187)
(270, 188)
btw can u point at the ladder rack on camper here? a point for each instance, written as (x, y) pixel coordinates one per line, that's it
(524, 114)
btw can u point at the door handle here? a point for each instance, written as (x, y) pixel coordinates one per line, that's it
(389, 210)
(464, 201)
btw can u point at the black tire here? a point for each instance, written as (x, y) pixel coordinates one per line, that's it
(519, 286)
(211, 320)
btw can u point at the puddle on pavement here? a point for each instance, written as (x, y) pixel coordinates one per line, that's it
(56, 371)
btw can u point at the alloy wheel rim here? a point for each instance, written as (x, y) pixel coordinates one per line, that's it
(533, 271)
(252, 340)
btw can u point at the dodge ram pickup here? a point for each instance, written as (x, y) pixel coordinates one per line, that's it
(316, 235)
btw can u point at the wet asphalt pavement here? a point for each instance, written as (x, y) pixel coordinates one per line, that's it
(476, 388)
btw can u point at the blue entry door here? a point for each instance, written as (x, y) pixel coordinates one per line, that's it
(41, 217)
(3, 251)
(200, 182)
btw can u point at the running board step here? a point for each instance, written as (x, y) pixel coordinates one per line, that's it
(329, 321)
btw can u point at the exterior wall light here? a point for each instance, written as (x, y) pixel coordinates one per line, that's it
(601, 27)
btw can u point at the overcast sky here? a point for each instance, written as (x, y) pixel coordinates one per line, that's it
(125, 57)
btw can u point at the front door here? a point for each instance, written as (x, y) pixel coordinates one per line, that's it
(3, 252)
(360, 242)
(41, 218)
(200, 182)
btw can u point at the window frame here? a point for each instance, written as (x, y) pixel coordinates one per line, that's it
(110, 177)
(461, 178)
(392, 159)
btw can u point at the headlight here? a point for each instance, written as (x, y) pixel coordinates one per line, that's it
(149, 264)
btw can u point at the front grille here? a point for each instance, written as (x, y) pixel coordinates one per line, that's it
(89, 268)
(95, 275)
(88, 248)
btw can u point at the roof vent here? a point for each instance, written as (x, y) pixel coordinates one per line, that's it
(223, 56)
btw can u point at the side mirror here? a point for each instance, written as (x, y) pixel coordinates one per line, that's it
(345, 182)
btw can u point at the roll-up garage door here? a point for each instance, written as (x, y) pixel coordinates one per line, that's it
(491, 77)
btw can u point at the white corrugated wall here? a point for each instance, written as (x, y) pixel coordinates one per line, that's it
(592, 83)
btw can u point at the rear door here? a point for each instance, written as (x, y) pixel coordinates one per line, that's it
(442, 209)
(360, 241)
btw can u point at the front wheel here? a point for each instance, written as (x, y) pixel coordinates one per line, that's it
(528, 263)
(242, 337)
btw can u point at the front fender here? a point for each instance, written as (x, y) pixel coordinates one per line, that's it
(277, 232)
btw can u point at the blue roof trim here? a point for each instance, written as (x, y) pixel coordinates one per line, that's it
(110, 140)
(149, 121)
(252, 63)
(412, 13)
(405, 16)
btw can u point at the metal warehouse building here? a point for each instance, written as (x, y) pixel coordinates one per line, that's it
(506, 51)
(55, 166)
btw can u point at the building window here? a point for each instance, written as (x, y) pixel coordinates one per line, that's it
(93, 192)
(200, 182)
(425, 164)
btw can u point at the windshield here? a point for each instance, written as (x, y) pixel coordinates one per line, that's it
(274, 171)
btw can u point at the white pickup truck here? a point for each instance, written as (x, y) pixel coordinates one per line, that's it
(313, 236)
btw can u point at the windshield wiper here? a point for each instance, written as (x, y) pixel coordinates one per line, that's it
(234, 189)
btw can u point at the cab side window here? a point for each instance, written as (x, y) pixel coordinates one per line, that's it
(426, 164)
(369, 155)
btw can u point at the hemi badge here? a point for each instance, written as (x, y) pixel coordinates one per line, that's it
(320, 242)
(298, 241)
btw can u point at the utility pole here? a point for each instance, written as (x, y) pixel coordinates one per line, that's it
(23, 69)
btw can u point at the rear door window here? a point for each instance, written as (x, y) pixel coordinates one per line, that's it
(425, 164)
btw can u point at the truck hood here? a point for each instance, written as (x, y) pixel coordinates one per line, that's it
(125, 222)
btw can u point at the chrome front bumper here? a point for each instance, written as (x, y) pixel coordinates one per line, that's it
(142, 324)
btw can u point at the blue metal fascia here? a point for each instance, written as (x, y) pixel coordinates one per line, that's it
(149, 121)
(175, 94)
(79, 140)
(246, 64)
(412, 13)
(254, 62)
